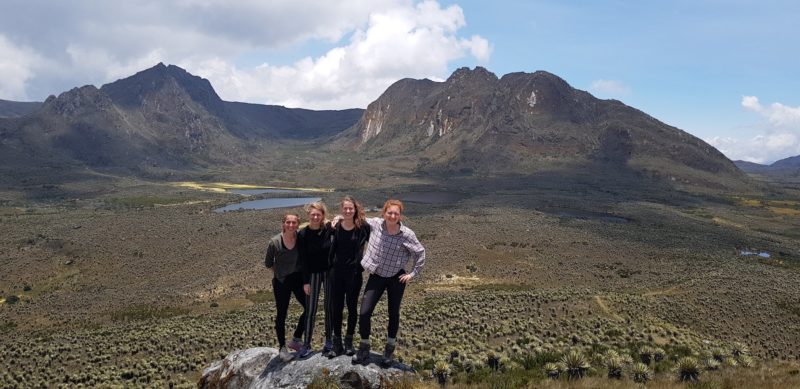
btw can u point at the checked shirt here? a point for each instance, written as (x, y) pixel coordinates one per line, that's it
(387, 254)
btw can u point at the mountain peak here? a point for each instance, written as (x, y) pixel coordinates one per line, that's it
(131, 91)
(467, 75)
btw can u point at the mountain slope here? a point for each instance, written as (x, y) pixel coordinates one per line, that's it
(162, 118)
(521, 122)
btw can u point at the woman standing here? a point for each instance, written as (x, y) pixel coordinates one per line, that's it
(390, 246)
(349, 237)
(313, 242)
(287, 280)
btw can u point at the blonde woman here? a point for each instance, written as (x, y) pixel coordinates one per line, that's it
(313, 243)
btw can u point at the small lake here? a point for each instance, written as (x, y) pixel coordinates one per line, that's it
(278, 202)
(762, 254)
(258, 191)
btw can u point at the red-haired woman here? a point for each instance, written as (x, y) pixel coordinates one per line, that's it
(287, 280)
(349, 237)
(390, 246)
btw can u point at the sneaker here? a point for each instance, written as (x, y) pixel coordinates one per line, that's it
(304, 351)
(336, 350)
(295, 344)
(349, 350)
(327, 347)
(285, 355)
(388, 355)
(362, 356)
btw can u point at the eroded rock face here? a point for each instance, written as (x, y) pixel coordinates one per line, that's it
(260, 368)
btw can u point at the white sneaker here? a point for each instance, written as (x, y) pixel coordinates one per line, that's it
(285, 355)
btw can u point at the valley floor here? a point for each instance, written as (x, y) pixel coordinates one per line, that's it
(145, 284)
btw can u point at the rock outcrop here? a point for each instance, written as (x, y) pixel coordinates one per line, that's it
(261, 368)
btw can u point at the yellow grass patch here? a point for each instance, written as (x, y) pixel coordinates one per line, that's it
(785, 211)
(223, 186)
(750, 202)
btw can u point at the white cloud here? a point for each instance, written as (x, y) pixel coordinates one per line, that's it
(404, 41)
(609, 88)
(17, 65)
(778, 115)
(763, 148)
(779, 137)
(241, 47)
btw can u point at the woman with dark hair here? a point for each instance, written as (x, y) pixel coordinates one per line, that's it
(347, 249)
(313, 243)
(390, 246)
(287, 280)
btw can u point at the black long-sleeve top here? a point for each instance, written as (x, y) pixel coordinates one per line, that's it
(348, 247)
(313, 249)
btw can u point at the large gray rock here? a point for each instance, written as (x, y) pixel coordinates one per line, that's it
(261, 368)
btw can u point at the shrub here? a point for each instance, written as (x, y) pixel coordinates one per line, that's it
(640, 373)
(688, 369)
(614, 367)
(553, 370)
(12, 299)
(441, 370)
(576, 364)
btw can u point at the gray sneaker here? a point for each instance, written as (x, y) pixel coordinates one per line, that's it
(388, 355)
(285, 355)
(362, 355)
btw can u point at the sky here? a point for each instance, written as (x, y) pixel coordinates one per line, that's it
(726, 71)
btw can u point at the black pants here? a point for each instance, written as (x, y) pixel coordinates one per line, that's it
(372, 293)
(345, 287)
(292, 284)
(318, 281)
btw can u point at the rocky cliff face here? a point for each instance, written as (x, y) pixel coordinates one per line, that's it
(477, 122)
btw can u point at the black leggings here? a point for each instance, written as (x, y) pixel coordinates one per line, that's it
(292, 284)
(345, 287)
(372, 293)
(317, 282)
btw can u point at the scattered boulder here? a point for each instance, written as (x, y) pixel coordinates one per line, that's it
(260, 367)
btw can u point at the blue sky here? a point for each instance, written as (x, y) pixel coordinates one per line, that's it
(725, 71)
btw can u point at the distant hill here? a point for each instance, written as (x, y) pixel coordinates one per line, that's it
(475, 122)
(13, 109)
(751, 167)
(783, 171)
(161, 117)
(787, 163)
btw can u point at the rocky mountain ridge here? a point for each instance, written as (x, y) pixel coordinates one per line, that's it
(163, 118)
(477, 122)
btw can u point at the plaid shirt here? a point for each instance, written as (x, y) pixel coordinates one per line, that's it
(387, 254)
